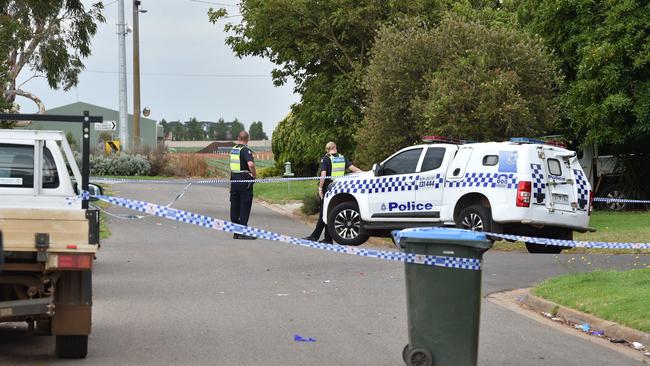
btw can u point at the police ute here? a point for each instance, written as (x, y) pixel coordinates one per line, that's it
(523, 187)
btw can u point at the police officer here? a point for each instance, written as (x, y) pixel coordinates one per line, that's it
(333, 165)
(242, 167)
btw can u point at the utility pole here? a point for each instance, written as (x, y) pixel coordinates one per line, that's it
(124, 116)
(136, 72)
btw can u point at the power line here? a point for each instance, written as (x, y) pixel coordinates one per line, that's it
(213, 3)
(186, 75)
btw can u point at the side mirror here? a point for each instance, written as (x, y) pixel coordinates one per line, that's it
(95, 190)
(376, 169)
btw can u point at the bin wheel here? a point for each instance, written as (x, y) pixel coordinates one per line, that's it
(419, 357)
(405, 352)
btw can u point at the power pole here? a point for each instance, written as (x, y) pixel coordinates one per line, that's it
(136, 72)
(124, 116)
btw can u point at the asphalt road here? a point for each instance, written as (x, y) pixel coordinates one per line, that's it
(167, 293)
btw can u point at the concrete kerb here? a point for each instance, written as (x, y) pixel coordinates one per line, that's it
(611, 330)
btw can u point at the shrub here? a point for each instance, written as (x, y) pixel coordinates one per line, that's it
(119, 164)
(310, 204)
(188, 165)
(271, 171)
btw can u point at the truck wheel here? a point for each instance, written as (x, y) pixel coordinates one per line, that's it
(419, 357)
(551, 249)
(72, 346)
(344, 224)
(475, 218)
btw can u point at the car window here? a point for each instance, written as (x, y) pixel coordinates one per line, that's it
(490, 160)
(554, 167)
(433, 158)
(403, 163)
(17, 167)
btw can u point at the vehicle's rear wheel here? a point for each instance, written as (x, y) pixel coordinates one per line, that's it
(475, 218)
(563, 234)
(344, 224)
(72, 346)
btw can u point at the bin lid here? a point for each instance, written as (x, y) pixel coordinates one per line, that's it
(441, 234)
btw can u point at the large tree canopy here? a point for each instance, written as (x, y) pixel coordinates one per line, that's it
(324, 46)
(604, 50)
(464, 78)
(49, 38)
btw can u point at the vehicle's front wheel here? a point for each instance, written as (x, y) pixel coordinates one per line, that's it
(72, 346)
(344, 224)
(475, 218)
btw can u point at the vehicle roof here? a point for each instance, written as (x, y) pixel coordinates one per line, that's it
(493, 145)
(31, 135)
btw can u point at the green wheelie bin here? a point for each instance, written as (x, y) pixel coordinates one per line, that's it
(443, 295)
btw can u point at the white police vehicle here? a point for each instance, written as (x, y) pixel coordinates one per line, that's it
(522, 187)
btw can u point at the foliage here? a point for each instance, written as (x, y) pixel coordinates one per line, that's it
(268, 172)
(69, 136)
(293, 142)
(119, 164)
(604, 51)
(195, 131)
(49, 38)
(256, 131)
(310, 204)
(218, 130)
(188, 165)
(324, 47)
(474, 79)
(235, 128)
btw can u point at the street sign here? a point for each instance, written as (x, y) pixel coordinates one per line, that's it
(106, 126)
(112, 146)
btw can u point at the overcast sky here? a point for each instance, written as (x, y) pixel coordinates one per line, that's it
(180, 54)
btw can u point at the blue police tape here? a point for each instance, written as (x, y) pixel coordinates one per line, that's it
(227, 226)
(546, 241)
(375, 187)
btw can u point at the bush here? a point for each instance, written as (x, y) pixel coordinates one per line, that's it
(188, 165)
(119, 164)
(271, 171)
(310, 204)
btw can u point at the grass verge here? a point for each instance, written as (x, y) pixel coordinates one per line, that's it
(282, 192)
(621, 297)
(611, 226)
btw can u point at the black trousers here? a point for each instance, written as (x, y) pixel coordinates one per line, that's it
(320, 226)
(241, 201)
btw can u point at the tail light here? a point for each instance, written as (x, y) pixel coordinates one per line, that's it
(524, 190)
(591, 202)
(70, 261)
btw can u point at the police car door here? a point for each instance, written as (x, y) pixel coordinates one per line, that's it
(431, 182)
(560, 180)
(393, 194)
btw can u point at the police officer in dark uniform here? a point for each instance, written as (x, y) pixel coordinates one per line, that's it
(242, 167)
(334, 165)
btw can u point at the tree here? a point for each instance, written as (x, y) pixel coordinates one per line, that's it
(218, 130)
(235, 128)
(195, 130)
(256, 131)
(293, 142)
(603, 47)
(165, 126)
(179, 131)
(324, 47)
(468, 79)
(49, 38)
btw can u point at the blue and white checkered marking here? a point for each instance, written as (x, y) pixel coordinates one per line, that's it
(539, 185)
(375, 185)
(486, 180)
(583, 191)
(222, 225)
(620, 200)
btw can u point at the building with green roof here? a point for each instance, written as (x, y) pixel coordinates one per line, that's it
(148, 127)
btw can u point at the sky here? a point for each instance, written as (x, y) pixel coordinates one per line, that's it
(180, 54)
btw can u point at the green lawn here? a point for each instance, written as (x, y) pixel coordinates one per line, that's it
(221, 167)
(610, 226)
(184, 149)
(622, 297)
(278, 192)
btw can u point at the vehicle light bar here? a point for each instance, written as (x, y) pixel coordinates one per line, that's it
(444, 139)
(528, 140)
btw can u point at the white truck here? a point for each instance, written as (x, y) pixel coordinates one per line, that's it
(49, 236)
(522, 187)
